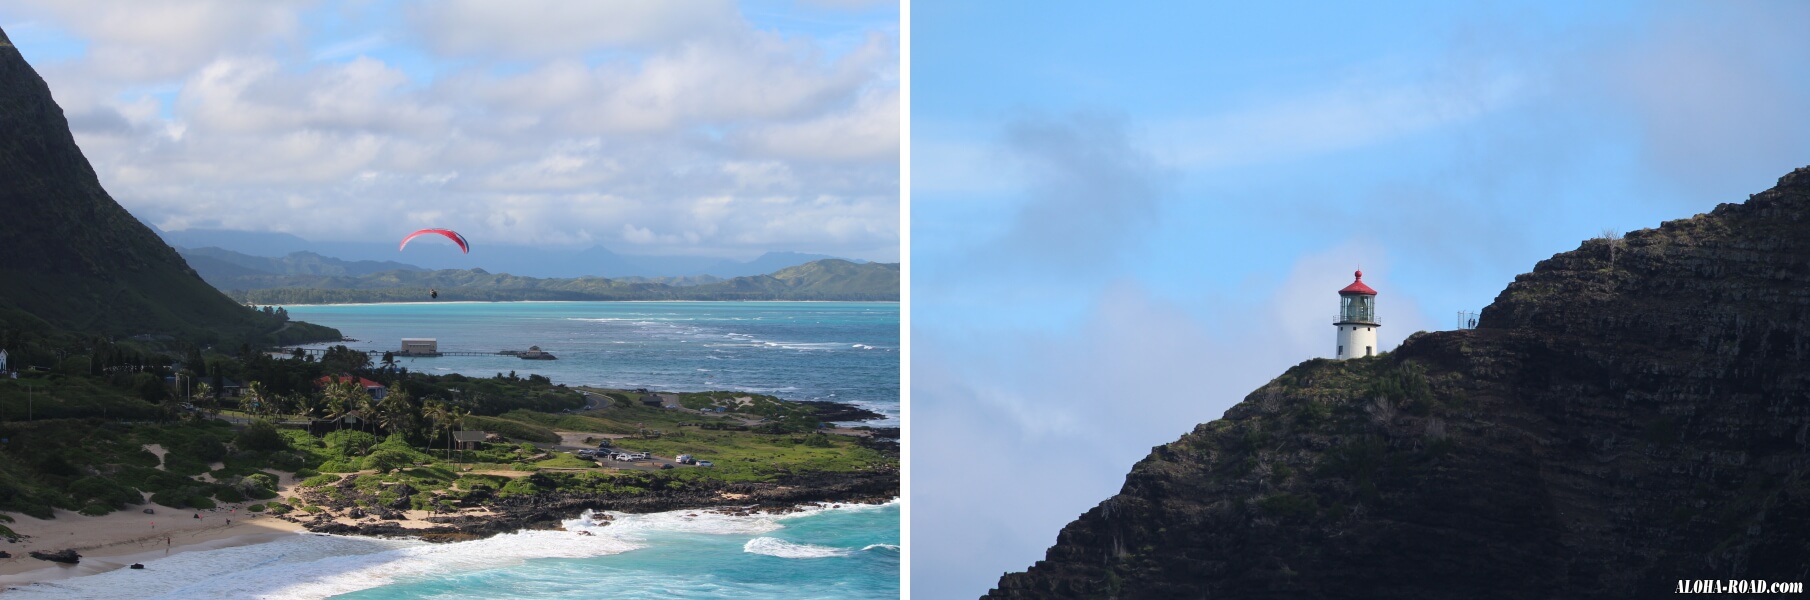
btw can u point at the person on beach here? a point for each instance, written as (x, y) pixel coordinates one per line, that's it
(166, 545)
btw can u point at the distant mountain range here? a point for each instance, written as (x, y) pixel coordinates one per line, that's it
(531, 261)
(312, 279)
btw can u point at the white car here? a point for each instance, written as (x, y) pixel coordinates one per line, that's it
(705, 463)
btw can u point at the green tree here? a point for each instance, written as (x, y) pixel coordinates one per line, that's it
(342, 398)
(262, 436)
(349, 443)
(308, 405)
(386, 460)
(206, 405)
(397, 412)
(253, 398)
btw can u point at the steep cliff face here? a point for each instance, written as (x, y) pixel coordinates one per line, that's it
(70, 257)
(1627, 415)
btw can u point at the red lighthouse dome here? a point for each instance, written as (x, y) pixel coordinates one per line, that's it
(1357, 286)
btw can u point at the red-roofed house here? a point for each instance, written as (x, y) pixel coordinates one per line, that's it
(376, 390)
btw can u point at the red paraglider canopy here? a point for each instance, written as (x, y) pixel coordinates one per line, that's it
(450, 234)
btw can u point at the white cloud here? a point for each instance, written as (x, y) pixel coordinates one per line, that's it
(158, 39)
(1354, 114)
(611, 114)
(867, 131)
(531, 29)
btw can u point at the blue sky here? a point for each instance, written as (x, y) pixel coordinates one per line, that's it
(1125, 218)
(698, 127)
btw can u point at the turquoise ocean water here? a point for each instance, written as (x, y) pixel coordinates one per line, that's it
(805, 350)
(844, 552)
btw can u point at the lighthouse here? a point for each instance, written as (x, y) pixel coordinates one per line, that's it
(1357, 320)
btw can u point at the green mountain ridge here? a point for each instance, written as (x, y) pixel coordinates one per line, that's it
(1627, 416)
(77, 263)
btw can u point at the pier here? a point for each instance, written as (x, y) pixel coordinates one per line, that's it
(426, 348)
(321, 351)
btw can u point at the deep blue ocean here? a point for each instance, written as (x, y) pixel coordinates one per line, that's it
(795, 350)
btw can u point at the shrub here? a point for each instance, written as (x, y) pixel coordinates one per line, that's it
(386, 460)
(95, 509)
(306, 473)
(227, 493)
(339, 466)
(279, 509)
(171, 498)
(257, 508)
(203, 447)
(312, 509)
(265, 480)
(520, 486)
(256, 486)
(105, 491)
(298, 439)
(262, 436)
(350, 442)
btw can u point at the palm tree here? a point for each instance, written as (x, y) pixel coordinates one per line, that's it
(366, 407)
(455, 417)
(307, 405)
(436, 414)
(203, 401)
(340, 397)
(253, 397)
(397, 411)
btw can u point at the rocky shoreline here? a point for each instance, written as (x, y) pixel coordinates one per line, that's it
(547, 510)
(828, 410)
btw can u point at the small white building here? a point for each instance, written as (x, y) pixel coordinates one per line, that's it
(420, 346)
(1357, 320)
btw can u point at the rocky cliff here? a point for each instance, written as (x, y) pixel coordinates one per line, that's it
(1631, 413)
(72, 259)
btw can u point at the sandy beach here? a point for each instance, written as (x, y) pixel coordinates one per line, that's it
(119, 539)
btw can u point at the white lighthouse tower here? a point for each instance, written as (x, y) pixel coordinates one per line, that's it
(1357, 320)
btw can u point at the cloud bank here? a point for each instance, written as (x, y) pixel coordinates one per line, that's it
(650, 128)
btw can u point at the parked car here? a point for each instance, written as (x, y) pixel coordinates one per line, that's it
(686, 459)
(705, 463)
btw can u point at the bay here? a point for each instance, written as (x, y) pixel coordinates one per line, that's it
(839, 351)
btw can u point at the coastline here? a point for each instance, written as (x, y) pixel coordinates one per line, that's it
(119, 539)
(546, 510)
(579, 301)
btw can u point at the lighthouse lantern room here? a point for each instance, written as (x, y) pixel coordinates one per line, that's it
(1357, 320)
